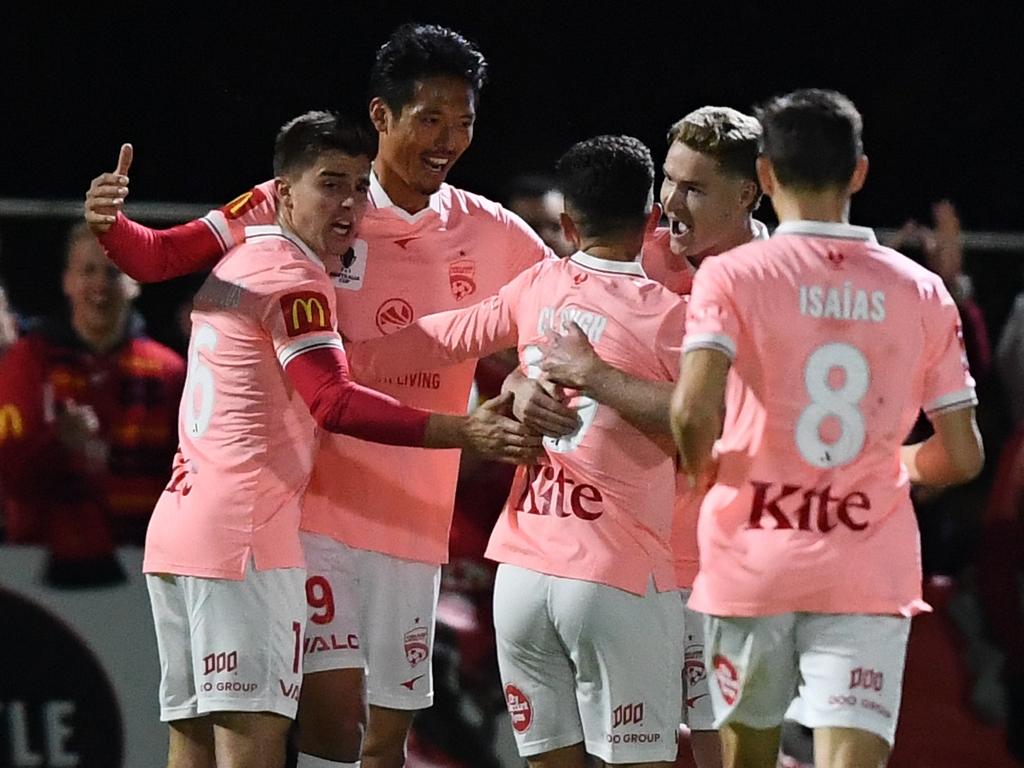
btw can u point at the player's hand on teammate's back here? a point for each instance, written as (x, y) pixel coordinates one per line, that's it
(535, 405)
(492, 432)
(570, 359)
(107, 192)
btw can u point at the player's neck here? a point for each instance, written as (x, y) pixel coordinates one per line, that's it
(397, 190)
(613, 249)
(823, 205)
(742, 235)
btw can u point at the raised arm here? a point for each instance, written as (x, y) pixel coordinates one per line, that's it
(148, 255)
(441, 339)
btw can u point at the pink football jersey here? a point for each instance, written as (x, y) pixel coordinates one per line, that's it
(459, 249)
(836, 343)
(600, 509)
(247, 440)
(676, 274)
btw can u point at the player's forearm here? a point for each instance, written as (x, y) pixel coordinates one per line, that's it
(338, 404)
(695, 433)
(643, 403)
(929, 463)
(446, 431)
(152, 255)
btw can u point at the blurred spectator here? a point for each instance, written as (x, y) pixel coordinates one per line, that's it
(1010, 360)
(88, 410)
(950, 521)
(8, 323)
(537, 200)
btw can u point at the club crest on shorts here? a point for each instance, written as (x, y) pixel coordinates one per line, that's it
(728, 680)
(417, 648)
(462, 278)
(693, 663)
(519, 708)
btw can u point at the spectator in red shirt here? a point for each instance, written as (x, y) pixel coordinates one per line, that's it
(88, 408)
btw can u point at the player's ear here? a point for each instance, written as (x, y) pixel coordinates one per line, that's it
(284, 190)
(766, 175)
(379, 114)
(860, 174)
(748, 194)
(570, 230)
(653, 219)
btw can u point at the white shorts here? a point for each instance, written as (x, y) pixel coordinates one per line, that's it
(585, 662)
(372, 611)
(698, 715)
(820, 669)
(229, 646)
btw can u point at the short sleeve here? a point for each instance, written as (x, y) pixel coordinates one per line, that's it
(295, 310)
(711, 319)
(948, 384)
(256, 207)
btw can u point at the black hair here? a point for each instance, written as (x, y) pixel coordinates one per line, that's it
(607, 182)
(812, 138)
(303, 139)
(529, 185)
(417, 51)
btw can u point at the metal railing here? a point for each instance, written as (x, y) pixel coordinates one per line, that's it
(177, 213)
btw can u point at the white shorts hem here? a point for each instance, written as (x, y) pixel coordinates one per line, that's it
(278, 707)
(170, 714)
(534, 748)
(837, 720)
(630, 754)
(332, 664)
(406, 703)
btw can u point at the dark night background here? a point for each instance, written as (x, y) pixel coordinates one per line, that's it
(201, 89)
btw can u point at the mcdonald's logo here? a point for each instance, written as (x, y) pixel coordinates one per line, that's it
(10, 422)
(306, 311)
(244, 202)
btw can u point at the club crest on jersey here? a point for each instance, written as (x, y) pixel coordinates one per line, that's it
(244, 202)
(462, 278)
(306, 311)
(353, 268)
(416, 647)
(393, 315)
(693, 664)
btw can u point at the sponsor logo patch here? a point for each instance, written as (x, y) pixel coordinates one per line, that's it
(305, 312)
(519, 708)
(728, 680)
(393, 315)
(243, 203)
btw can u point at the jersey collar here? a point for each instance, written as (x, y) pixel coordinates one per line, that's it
(381, 201)
(595, 264)
(273, 230)
(834, 229)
